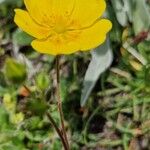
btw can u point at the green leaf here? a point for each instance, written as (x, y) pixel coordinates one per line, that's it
(37, 106)
(15, 72)
(123, 10)
(120, 11)
(128, 4)
(11, 2)
(4, 118)
(33, 123)
(116, 33)
(144, 46)
(2, 81)
(21, 38)
(1, 1)
(42, 81)
(57, 145)
(141, 16)
(101, 60)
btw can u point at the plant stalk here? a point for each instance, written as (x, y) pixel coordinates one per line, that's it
(57, 130)
(59, 102)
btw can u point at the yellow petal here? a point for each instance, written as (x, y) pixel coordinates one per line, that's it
(87, 39)
(38, 9)
(27, 24)
(83, 11)
(49, 47)
(87, 11)
(95, 35)
(43, 10)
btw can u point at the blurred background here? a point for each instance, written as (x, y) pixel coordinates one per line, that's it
(105, 93)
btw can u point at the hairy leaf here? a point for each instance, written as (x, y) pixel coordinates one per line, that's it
(101, 60)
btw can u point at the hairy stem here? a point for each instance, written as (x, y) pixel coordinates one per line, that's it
(59, 102)
(57, 130)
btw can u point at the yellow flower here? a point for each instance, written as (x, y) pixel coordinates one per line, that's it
(64, 26)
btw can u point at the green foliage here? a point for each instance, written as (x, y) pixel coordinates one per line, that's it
(4, 118)
(21, 38)
(15, 72)
(141, 17)
(134, 11)
(37, 106)
(42, 81)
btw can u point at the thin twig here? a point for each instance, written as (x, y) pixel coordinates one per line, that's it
(59, 103)
(57, 130)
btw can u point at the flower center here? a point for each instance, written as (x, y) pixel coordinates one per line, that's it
(64, 30)
(59, 28)
(59, 24)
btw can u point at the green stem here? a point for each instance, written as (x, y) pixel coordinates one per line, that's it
(87, 123)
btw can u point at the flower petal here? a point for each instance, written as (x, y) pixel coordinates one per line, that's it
(49, 47)
(88, 39)
(86, 12)
(42, 11)
(25, 22)
(38, 9)
(95, 35)
(82, 11)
